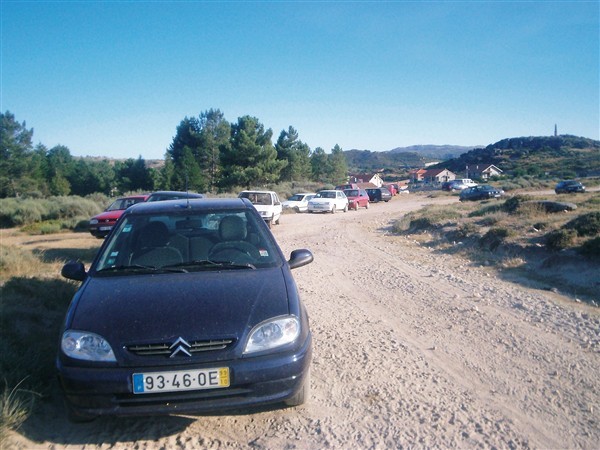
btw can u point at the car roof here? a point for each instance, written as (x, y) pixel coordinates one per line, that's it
(191, 194)
(193, 204)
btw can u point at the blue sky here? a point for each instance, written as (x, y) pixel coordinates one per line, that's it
(115, 78)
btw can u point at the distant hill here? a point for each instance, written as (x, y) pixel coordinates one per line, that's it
(398, 161)
(435, 151)
(562, 156)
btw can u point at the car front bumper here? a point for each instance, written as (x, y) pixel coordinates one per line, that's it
(253, 381)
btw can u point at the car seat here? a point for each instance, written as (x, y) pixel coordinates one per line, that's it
(153, 249)
(233, 246)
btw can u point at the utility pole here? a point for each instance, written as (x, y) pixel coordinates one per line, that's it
(555, 130)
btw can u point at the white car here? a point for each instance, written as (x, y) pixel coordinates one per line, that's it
(328, 201)
(298, 202)
(267, 204)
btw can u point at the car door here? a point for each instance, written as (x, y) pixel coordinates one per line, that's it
(276, 207)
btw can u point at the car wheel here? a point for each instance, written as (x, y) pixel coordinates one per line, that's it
(367, 205)
(277, 221)
(333, 209)
(346, 208)
(303, 394)
(269, 222)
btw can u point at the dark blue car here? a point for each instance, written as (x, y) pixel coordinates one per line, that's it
(189, 306)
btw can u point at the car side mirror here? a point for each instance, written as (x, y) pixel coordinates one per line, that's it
(299, 258)
(74, 270)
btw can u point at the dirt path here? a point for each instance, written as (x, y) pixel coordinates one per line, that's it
(408, 352)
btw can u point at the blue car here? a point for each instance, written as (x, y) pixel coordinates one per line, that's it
(189, 306)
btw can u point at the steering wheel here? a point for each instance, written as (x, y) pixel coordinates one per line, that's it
(236, 251)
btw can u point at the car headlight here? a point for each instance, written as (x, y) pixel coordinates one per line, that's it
(86, 346)
(93, 221)
(273, 333)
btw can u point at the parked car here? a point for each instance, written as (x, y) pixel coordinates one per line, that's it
(100, 225)
(298, 202)
(357, 198)
(392, 188)
(328, 201)
(380, 194)
(267, 203)
(396, 188)
(569, 186)
(343, 187)
(480, 192)
(447, 185)
(458, 185)
(160, 196)
(187, 307)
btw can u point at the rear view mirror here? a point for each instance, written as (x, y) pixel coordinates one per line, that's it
(299, 258)
(73, 270)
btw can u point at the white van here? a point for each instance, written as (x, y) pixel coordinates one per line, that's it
(267, 204)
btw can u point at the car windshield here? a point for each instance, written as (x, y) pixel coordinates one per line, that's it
(351, 193)
(326, 194)
(296, 198)
(187, 241)
(122, 203)
(257, 198)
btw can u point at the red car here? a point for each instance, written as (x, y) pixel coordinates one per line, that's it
(356, 198)
(101, 224)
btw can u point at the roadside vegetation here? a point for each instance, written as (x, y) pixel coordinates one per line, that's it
(33, 302)
(548, 239)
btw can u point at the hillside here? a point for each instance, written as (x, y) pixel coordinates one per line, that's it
(562, 156)
(401, 159)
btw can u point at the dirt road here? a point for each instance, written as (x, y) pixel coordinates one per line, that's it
(408, 352)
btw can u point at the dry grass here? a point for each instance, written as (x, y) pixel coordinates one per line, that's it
(520, 233)
(33, 301)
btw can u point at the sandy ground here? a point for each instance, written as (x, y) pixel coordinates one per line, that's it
(408, 353)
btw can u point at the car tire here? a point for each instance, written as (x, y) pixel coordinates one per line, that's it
(277, 221)
(367, 205)
(346, 208)
(269, 222)
(333, 209)
(302, 395)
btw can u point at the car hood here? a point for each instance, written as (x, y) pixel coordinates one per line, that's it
(109, 215)
(322, 200)
(197, 305)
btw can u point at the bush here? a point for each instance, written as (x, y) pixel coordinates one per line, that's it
(512, 204)
(494, 237)
(560, 239)
(591, 248)
(18, 212)
(586, 224)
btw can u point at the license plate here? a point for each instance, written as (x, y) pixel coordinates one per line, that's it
(181, 380)
(105, 228)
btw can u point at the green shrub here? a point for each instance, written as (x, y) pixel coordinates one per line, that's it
(560, 239)
(494, 237)
(18, 212)
(464, 231)
(591, 248)
(512, 204)
(586, 224)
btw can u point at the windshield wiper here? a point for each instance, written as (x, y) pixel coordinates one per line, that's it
(140, 268)
(209, 264)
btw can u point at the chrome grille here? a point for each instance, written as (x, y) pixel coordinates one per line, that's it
(166, 350)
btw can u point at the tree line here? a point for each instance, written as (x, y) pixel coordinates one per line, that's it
(207, 154)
